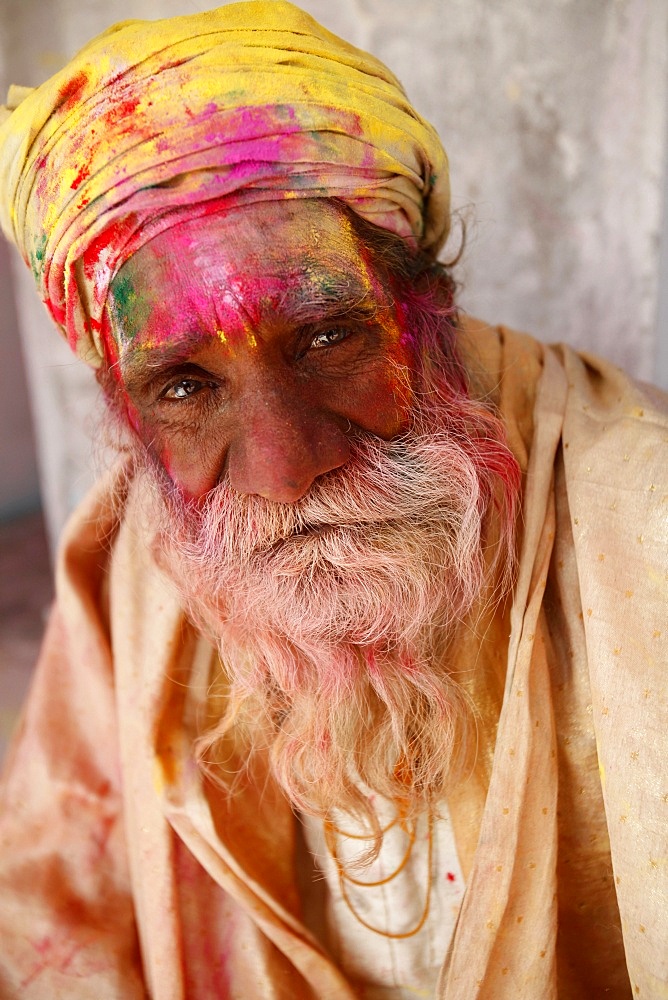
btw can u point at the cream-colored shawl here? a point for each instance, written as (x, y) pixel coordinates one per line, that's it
(125, 876)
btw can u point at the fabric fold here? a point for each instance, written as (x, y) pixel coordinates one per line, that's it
(513, 881)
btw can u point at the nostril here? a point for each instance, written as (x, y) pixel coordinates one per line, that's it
(280, 460)
(280, 490)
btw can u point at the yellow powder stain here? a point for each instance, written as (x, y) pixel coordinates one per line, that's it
(221, 337)
(68, 175)
(601, 772)
(50, 217)
(628, 593)
(158, 778)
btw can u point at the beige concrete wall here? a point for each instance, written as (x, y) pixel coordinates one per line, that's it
(553, 114)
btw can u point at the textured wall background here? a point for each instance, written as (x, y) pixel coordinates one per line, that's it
(553, 114)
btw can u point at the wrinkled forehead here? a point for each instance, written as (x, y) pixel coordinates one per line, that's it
(265, 259)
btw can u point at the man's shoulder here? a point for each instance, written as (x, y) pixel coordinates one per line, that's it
(615, 427)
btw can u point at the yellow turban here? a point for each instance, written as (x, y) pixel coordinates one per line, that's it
(153, 122)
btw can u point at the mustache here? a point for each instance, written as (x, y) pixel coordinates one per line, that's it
(384, 484)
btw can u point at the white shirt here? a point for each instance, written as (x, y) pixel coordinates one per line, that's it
(384, 968)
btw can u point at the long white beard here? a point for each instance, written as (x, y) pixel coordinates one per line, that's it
(334, 616)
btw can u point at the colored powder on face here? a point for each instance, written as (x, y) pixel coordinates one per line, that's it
(130, 309)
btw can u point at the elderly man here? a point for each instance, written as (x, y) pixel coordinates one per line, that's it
(353, 686)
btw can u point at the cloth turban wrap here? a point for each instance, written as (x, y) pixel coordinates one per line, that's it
(155, 122)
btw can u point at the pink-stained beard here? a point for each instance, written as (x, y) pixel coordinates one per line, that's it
(334, 615)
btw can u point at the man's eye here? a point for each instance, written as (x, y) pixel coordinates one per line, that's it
(329, 337)
(183, 389)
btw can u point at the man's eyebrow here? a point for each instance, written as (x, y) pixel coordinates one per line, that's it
(327, 295)
(352, 310)
(145, 360)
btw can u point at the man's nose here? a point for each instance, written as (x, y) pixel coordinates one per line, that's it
(282, 445)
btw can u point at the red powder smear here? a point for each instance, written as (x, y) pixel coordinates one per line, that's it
(57, 312)
(109, 345)
(112, 238)
(65, 951)
(451, 877)
(120, 111)
(80, 177)
(69, 93)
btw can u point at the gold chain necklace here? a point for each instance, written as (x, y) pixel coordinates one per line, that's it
(331, 835)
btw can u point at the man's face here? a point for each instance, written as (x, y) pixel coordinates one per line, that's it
(252, 343)
(338, 538)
